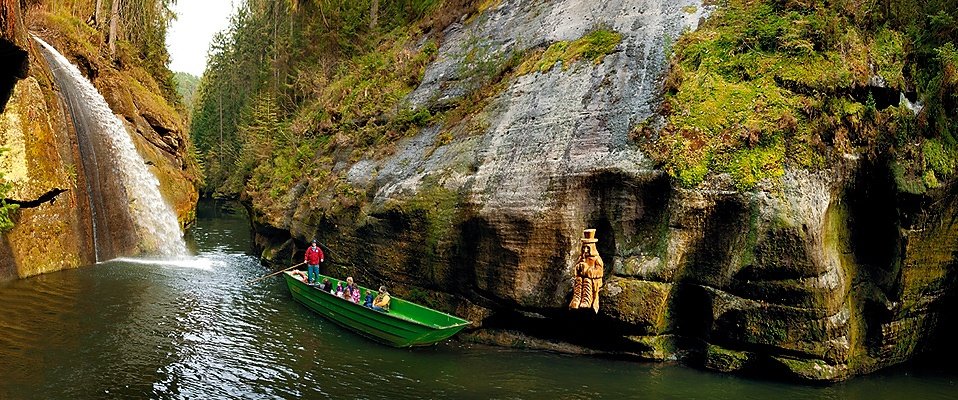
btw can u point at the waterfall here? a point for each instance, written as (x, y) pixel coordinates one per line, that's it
(119, 179)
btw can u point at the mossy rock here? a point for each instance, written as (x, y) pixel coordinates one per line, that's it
(636, 302)
(812, 332)
(655, 347)
(726, 360)
(812, 369)
(279, 253)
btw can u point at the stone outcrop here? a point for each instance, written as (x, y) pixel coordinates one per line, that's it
(817, 275)
(13, 44)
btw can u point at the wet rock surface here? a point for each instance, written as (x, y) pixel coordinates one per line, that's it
(41, 154)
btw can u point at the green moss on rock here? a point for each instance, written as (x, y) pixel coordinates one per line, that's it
(725, 360)
(655, 347)
(637, 302)
(764, 85)
(812, 370)
(593, 46)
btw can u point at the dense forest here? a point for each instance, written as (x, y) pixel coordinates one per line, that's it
(186, 87)
(290, 81)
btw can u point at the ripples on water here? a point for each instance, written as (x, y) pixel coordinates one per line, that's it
(190, 328)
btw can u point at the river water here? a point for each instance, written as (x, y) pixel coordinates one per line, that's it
(192, 329)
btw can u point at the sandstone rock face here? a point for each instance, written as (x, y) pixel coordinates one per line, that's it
(41, 155)
(818, 275)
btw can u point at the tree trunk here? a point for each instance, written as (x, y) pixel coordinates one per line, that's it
(114, 20)
(220, 103)
(373, 14)
(96, 14)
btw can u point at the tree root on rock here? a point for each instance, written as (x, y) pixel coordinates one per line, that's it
(50, 196)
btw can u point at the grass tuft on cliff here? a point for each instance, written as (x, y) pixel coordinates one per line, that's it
(766, 85)
(6, 210)
(592, 47)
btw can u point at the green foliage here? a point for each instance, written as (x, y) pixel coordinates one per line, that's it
(141, 35)
(890, 56)
(77, 32)
(334, 81)
(186, 85)
(940, 158)
(6, 210)
(748, 166)
(765, 84)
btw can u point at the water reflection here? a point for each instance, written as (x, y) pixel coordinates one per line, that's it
(192, 329)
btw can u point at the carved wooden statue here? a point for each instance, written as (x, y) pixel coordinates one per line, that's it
(587, 274)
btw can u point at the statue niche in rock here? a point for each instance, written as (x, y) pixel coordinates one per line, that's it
(587, 274)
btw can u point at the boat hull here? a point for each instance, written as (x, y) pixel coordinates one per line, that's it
(407, 324)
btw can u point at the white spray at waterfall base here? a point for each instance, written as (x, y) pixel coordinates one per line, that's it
(157, 228)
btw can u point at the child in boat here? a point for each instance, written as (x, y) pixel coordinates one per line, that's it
(355, 297)
(369, 299)
(381, 303)
(339, 289)
(352, 290)
(327, 287)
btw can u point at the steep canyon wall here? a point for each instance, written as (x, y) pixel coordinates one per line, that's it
(818, 275)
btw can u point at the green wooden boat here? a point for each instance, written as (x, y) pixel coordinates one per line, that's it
(406, 324)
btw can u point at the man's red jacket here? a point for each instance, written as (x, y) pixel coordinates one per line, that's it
(314, 255)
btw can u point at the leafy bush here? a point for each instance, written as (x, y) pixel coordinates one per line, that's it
(6, 210)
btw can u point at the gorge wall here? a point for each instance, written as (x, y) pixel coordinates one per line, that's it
(815, 274)
(44, 151)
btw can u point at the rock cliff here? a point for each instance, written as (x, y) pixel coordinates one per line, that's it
(43, 151)
(818, 275)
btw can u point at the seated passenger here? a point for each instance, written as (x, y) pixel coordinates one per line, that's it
(339, 289)
(327, 287)
(381, 303)
(352, 290)
(355, 297)
(369, 299)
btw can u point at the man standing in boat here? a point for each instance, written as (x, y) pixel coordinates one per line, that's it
(314, 256)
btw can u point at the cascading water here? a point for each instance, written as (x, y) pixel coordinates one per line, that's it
(140, 202)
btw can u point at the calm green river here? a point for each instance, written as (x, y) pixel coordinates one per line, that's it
(191, 329)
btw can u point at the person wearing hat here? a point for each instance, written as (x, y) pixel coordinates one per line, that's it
(314, 256)
(381, 303)
(589, 270)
